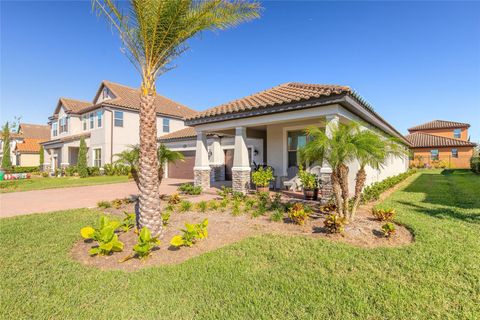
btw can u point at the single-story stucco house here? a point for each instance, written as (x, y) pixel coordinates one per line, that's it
(224, 142)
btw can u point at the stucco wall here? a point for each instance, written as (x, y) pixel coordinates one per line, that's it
(444, 154)
(446, 133)
(29, 160)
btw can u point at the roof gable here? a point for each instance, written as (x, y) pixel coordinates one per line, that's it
(71, 105)
(439, 124)
(36, 131)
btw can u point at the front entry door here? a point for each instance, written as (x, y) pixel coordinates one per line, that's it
(228, 164)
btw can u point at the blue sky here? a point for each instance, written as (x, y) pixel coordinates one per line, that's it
(413, 61)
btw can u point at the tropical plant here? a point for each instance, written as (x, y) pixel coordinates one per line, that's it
(388, 229)
(82, 167)
(191, 234)
(166, 214)
(335, 223)
(202, 206)
(309, 180)
(475, 164)
(185, 206)
(213, 205)
(6, 161)
(144, 246)
(166, 155)
(383, 214)
(128, 222)
(104, 204)
(174, 199)
(340, 143)
(277, 215)
(154, 33)
(262, 177)
(225, 192)
(188, 188)
(297, 213)
(104, 235)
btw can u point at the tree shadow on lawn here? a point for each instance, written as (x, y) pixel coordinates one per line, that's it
(443, 213)
(450, 189)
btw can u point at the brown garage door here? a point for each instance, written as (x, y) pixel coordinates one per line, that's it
(183, 169)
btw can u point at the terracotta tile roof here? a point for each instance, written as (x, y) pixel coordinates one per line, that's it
(183, 134)
(37, 131)
(439, 124)
(74, 106)
(282, 94)
(425, 140)
(128, 97)
(29, 145)
(67, 138)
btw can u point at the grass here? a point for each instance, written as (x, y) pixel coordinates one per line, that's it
(265, 277)
(50, 183)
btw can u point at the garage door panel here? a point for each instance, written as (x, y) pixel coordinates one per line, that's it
(182, 169)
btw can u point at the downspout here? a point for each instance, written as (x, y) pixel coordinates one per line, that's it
(111, 136)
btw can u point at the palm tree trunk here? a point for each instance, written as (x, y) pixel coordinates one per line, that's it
(359, 183)
(134, 173)
(337, 191)
(343, 180)
(149, 204)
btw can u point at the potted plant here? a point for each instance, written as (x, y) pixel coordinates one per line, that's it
(309, 184)
(262, 178)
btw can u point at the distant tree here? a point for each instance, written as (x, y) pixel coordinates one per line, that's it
(42, 158)
(166, 155)
(6, 161)
(82, 159)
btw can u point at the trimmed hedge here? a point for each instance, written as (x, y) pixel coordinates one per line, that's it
(23, 169)
(373, 191)
(475, 164)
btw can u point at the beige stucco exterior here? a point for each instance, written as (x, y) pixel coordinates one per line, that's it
(422, 156)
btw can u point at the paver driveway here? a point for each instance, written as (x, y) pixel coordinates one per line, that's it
(36, 201)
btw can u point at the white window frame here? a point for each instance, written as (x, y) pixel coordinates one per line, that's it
(63, 125)
(455, 133)
(167, 121)
(115, 118)
(55, 129)
(91, 117)
(97, 162)
(99, 118)
(84, 122)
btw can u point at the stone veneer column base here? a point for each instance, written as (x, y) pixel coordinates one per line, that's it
(201, 177)
(326, 191)
(241, 179)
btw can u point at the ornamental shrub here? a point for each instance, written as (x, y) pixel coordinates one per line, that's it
(82, 159)
(334, 223)
(297, 213)
(383, 214)
(373, 191)
(191, 234)
(475, 164)
(188, 188)
(262, 177)
(388, 229)
(104, 235)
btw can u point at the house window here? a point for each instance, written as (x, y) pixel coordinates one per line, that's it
(84, 121)
(105, 94)
(54, 129)
(457, 133)
(166, 125)
(295, 141)
(454, 153)
(118, 118)
(97, 157)
(434, 154)
(99, 118)
(92, 120)
(64, 124)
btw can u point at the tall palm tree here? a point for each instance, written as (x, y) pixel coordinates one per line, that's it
(154, 33)
(166, 155)
(346, 143)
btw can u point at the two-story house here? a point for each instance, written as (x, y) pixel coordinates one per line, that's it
(109, 124)
(441, 140)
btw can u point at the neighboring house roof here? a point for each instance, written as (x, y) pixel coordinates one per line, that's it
(187, 133)
(129, 98)
(282, 94)
(67, 138)
(29, 145)
(124, 97)
(36, 131)
(439, 124)
(425, 140)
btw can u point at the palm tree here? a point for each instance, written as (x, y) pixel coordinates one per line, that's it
(346, 143)
(130, 157)
(166, 155)
(154, 33)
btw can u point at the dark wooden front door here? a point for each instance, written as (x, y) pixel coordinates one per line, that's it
(228, 164)
(182, 169)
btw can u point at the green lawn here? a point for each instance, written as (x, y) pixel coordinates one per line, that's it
(266, 277)
(49, 183)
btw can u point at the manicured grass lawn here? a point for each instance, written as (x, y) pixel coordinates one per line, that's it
(49, 183)
(266, 277)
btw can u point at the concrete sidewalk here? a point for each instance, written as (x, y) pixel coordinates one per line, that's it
(37, 201)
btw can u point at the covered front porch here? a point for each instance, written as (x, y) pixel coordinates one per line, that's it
(280, 136)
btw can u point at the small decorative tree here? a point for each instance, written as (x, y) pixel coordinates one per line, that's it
(42, 158)
(6, 161)
(82, 159)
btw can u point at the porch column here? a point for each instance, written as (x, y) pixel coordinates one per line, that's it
(325, 172)
(217, 161)
(241, 165)
(201, 171)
